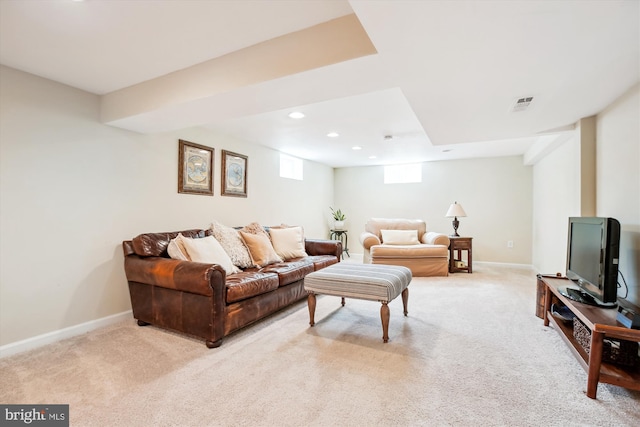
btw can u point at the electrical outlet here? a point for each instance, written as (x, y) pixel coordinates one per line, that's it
(510, 243)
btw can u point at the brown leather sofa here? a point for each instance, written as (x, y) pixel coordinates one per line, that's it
(199, 299)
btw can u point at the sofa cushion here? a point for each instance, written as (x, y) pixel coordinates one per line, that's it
(409, 251)
(399, 237)
(247, 284)
(288, 242)
(208, 250)
(291, 271)
(232, 244)
(321, 261)
(260, 249)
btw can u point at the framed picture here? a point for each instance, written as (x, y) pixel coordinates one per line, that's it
(195, 168)
(234, 174)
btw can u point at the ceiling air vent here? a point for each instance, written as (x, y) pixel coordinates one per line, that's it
(522, 104)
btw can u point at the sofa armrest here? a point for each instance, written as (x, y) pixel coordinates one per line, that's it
(433, 238)
(186, 276)
(323, 247)
(369, 239)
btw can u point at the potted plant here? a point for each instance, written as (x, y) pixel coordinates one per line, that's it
(338, 218)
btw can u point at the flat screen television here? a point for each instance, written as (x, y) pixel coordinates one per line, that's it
(592, 260)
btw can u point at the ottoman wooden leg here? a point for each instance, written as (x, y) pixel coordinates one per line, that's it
(311, 302)
(384, 315)
(342, 301)
(405, 300)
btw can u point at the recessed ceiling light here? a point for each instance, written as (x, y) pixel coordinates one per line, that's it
(296, 115)
(373, 157)
(356, 148)
(333, 134)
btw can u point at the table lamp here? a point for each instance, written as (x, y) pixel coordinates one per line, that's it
(455, 211)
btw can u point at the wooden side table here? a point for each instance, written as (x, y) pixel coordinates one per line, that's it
(456, 246)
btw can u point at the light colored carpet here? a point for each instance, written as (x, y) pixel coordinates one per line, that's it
(471, 353)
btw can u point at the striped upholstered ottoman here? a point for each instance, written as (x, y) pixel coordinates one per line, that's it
(361, 281)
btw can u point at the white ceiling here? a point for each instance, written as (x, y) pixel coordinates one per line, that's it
(442, 83)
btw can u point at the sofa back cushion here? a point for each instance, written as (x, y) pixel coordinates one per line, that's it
(155, 244)
(376, 225)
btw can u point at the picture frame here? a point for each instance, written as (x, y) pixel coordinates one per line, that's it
(234, 174)
(195, 168)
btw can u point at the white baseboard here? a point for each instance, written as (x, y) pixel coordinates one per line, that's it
(358, 258)
(54, 336)
(504, 264)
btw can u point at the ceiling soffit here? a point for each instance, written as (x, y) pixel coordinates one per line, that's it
(318, 46)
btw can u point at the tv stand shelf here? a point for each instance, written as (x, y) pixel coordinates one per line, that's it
(602, 323)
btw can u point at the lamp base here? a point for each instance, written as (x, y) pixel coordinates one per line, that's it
(455, 224)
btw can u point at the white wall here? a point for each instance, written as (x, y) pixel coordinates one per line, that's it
(556, 197)
(558, 186)
(496, 194)
(72, 189)
(618, 179)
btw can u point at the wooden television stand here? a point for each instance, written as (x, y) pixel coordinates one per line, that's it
(602, 323)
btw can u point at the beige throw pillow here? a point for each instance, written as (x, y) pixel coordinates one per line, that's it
(232, 244)
(399, 237)
(176, 248)
(260, 249)
(288, 242)
(208, 250)
(255, 228)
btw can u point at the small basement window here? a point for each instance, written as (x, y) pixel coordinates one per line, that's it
(402, 174)
(290, 167)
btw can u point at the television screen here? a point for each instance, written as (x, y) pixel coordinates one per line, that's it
(592, 260)
(585, 248)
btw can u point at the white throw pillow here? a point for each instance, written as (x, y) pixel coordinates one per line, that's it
(209, 251)
(400, 237)
(288, 242)
(176, 248)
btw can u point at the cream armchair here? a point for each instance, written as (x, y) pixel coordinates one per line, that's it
(406, 242)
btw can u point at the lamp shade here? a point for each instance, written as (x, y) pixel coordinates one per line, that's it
(455, 210)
